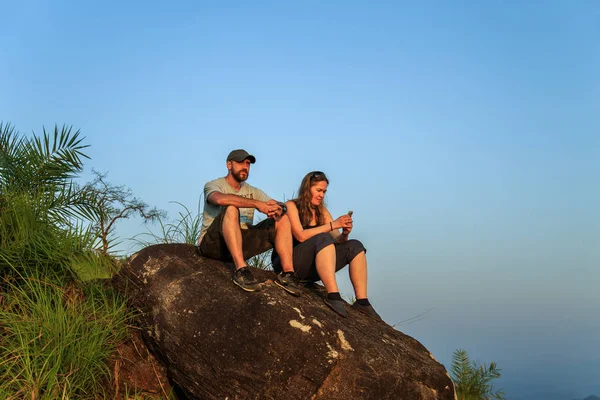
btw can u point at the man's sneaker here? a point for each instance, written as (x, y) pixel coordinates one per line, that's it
(369, 310)
(337, 306)
(313, 286)
(244, 279)
(288, 282)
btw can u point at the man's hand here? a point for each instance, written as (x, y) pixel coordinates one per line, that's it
(271, 208)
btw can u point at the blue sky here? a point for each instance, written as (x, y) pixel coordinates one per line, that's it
(464, 135)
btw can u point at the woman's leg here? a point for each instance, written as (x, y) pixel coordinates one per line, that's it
(315, 259)
(358, 275)
(325, 262)
(353, 253)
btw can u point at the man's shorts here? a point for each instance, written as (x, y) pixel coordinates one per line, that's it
(255, 240)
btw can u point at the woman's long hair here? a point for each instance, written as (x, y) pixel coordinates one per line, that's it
(303, 200)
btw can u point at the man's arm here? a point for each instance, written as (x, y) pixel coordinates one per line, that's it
(262, 196)
(221, 199)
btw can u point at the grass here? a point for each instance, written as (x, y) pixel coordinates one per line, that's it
(58, 324)
(183, 229)
(55, 340)
(93, 265)
(262, 261)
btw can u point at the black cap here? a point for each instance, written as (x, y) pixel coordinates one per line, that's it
(240, 155)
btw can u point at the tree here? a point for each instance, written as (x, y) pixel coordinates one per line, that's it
(472, 381)
(115, 203)
(47, 221)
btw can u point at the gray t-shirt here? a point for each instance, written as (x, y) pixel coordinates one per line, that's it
(211, 211)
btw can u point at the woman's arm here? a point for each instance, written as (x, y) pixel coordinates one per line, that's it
(339, 237)
(298, 231)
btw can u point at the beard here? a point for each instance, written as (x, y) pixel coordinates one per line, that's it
(238, 175)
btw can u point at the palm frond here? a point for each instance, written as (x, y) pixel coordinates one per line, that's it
(56, 157)
(472, 380)
(10, 144)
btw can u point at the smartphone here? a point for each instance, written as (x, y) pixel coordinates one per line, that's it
(350, 213)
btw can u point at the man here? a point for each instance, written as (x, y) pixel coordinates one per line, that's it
(228, 233)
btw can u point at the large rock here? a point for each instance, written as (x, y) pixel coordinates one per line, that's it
(219, 342)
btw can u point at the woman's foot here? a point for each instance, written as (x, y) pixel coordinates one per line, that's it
(367, 309)
(336, 303)
(337, 306)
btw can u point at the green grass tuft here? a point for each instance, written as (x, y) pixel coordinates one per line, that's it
(56, 341)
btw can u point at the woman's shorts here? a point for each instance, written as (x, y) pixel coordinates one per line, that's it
(305, 254)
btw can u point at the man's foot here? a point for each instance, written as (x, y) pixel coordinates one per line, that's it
(337, 306)
(288, 282)
(313, 286)
(243, 278)
(369, 310)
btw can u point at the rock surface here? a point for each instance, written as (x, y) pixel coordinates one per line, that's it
(136, 371)
(218, 341)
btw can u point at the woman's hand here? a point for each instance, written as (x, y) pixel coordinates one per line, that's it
(344, 222)
(346, 231)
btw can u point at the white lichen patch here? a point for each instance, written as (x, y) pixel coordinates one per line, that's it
(151, 267)
(171, 292)
(332, 353)
(317, 323)
(345, 345)
(432, 357)
(299, 312)
(272, 303)
(300, 325)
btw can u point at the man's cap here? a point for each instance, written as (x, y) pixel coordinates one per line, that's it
(240, 155)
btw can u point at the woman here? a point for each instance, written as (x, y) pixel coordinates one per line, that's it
(320, 250)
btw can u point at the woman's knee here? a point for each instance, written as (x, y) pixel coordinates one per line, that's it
(355, 247)
(322, 240)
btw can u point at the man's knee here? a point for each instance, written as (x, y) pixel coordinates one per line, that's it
(231, 211)
(283, 223)
(230, 220)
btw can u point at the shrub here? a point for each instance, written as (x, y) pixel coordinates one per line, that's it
(473, 381)
(56, 340)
